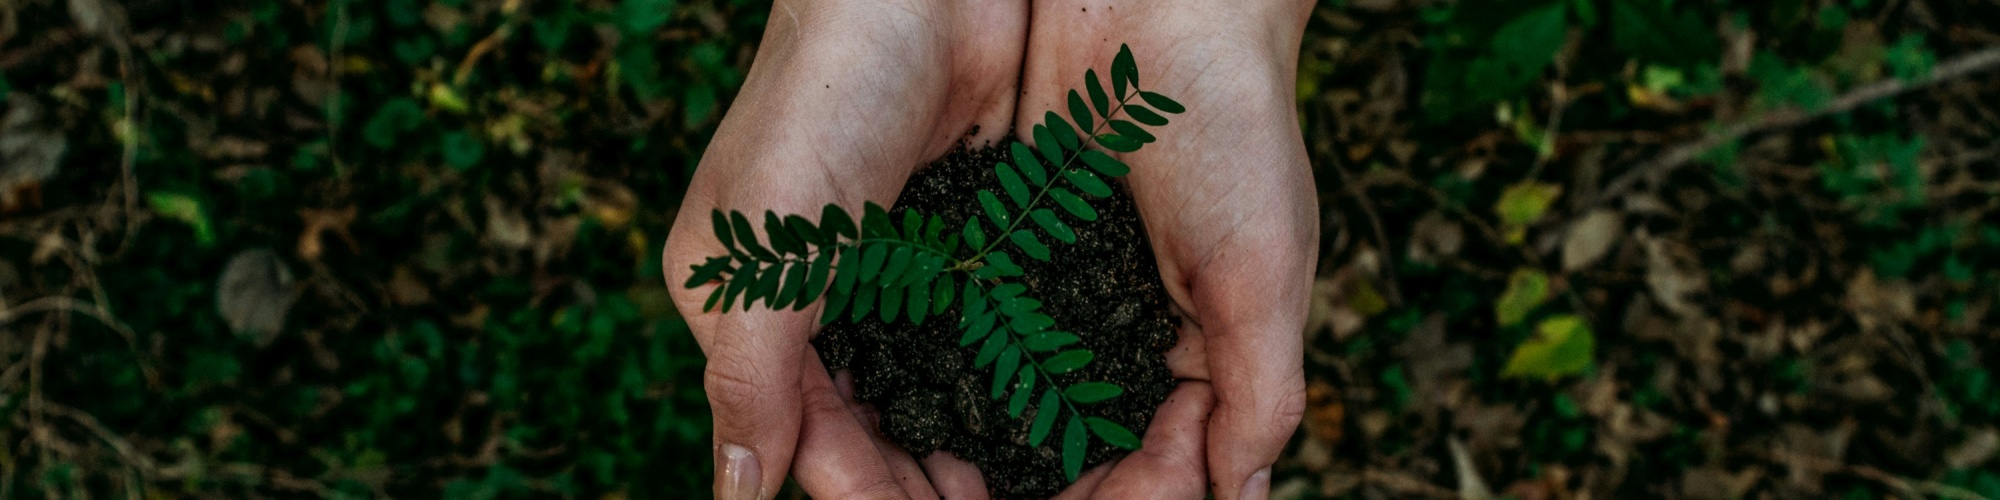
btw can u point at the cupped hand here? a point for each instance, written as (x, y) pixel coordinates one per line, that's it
(844, 99)
(1227, 198)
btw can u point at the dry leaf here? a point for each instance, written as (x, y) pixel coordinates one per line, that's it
(254, 293)
(1435, 236)
(30, 149)
(1589, 238)
(1470, 486)
(1673, 275)
(1977, 448)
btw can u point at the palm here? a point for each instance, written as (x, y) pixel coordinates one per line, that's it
(919, 76)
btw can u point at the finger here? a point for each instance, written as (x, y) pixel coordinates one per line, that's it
(836, 456)
(904, 469)
(955, 478)
(1251, 317)
(1086, 484)
(1171, 464)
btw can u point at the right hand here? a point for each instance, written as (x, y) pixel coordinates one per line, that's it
(844, 100)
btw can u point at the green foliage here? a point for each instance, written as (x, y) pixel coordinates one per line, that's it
(910, 269)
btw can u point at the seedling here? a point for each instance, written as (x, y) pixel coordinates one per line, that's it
(916, 269)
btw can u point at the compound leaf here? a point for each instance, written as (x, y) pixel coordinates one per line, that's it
(1145, 115)
(782, 239)
(795, 280)
(714, 296)
(1010, 359)
(1045, 417)
(807, 232)
(848, 269)
(1065, 135)
(1118, 143)
(974, 235)
(836, 301)
(1046, 341)
(816, 278)
(1051, 149)
(981, 325)
(1031, 323)
(1088, 182)
(1073, 204)
(1080, 112)
(1011, 183)
(994, 209)
(899, 261)
(920, 301)
(892, 303)
(748, 237)
(1097, 97)
(941, 294)
(1047, 219)
(1121, 67)
(1031, 167)
(722, 231)
(1105, 164)
(1132, 131)
(990, 350)
(1030, 244)
(1074, 444)
(834, 220)
(1113, 433)
(872, 259)
(1067, 361)
(1091, 392)
(1162, 103)
(738, 284)
(707, 271)
(767, 286)
(1022, 389)
(864, 301)
(875, 222)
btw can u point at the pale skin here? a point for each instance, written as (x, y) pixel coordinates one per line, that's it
(847, 97)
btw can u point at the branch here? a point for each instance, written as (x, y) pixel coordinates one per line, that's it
(1680, 156)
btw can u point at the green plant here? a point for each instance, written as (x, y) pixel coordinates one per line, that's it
(916, 272)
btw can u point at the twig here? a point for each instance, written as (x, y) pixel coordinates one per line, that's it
(1405, 485)
(1389, 278)
(1914, 488)
(1679, 156)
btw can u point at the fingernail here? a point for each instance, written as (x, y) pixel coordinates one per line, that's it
(1258, 487)
(737, 475)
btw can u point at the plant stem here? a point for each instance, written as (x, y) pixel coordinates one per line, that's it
(1054, 176)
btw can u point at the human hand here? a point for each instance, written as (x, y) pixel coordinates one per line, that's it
(844, 100)
(1229, 205)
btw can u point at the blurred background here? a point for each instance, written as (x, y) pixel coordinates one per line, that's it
(1573, 248)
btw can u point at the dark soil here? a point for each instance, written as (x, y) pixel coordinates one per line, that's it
(1105, 288)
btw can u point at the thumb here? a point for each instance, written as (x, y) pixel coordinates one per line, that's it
(751, 377)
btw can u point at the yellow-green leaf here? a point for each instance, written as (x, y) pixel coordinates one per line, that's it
(186, 209)
(1521, 204)
(1562, 346)
(1526, 289)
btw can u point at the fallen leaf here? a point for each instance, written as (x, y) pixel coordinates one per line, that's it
(254, 294)
(1589, 238)
(1470, 486)
(1673, 275)
(1526, 288)
(1978, 447)
(1563, 345)
(1435, 236)
(30, 150)
(1522, 204)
